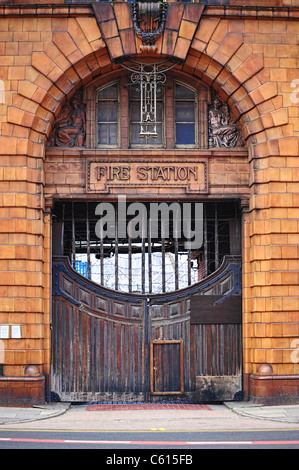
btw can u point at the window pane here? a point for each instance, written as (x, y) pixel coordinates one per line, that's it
(107, 134)
(159, 110)
(184, 115)
(135, 130)
(109, 92)
(185, 134)
(183, 93)
(184, 112)
(135, 111)
(134, 92)
(158, 139)
(107, 111)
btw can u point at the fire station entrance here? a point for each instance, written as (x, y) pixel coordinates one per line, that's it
(151, 312)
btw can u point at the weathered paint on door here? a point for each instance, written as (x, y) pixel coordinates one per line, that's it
(109, 346)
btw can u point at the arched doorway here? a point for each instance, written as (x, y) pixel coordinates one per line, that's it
(144, 310)
(147, 319)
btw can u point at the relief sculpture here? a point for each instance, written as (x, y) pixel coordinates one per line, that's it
(222, 129)
(69, 129)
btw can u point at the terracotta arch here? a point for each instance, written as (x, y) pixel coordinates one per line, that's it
(242, 102)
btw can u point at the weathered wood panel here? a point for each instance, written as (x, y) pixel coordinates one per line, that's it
(101, 340)
(167, 372)
(214, 309)
(217, 349)
(95, 358)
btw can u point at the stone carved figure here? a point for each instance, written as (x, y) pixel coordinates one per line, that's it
(222, 132)
(69, 129)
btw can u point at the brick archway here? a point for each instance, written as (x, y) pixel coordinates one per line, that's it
(225, 51)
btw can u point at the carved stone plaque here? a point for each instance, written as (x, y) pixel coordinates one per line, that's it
(191, 176)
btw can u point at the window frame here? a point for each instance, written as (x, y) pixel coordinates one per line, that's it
(195, 92)
(118, 133)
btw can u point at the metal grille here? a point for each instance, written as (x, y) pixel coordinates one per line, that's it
(144, 265)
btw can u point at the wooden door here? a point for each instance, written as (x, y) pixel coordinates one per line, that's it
(166, 368)
(111, 346)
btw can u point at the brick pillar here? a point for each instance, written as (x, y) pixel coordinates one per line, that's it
(272, 318)
(24, 274)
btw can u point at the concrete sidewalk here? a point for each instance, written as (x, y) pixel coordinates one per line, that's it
(282, 413)
(11, 415)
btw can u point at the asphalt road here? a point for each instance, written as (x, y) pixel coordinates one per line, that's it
(146, 449)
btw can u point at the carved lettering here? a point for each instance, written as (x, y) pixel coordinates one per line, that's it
(167, 173)
(112, 173)
(192, 176)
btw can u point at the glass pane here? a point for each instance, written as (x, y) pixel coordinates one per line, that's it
(158, 139)
(135, 130)
(184, 112)
(110, 92)
(159, 110)
(107, 111)
(107, 134)
(135, 92)
(135, 111)
(185, 134)
(183, 93)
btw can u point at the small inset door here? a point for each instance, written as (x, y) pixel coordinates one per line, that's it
(166, 365)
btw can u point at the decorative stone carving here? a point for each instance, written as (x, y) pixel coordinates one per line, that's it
(149, 22)
(69, 129)
(223, 131)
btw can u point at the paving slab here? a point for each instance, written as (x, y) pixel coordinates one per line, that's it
(151, 417)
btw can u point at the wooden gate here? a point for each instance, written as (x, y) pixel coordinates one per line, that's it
(110, 346)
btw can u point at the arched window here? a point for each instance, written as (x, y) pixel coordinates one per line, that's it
(185, 116)
(107, 111)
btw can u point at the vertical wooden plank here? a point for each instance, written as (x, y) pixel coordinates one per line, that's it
(101, 352)
(152, 385)
(182, 366)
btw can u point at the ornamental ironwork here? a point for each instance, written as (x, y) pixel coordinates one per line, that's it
(149, 78)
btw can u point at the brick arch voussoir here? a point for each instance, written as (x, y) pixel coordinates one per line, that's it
(65, 87)
(242, 99)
